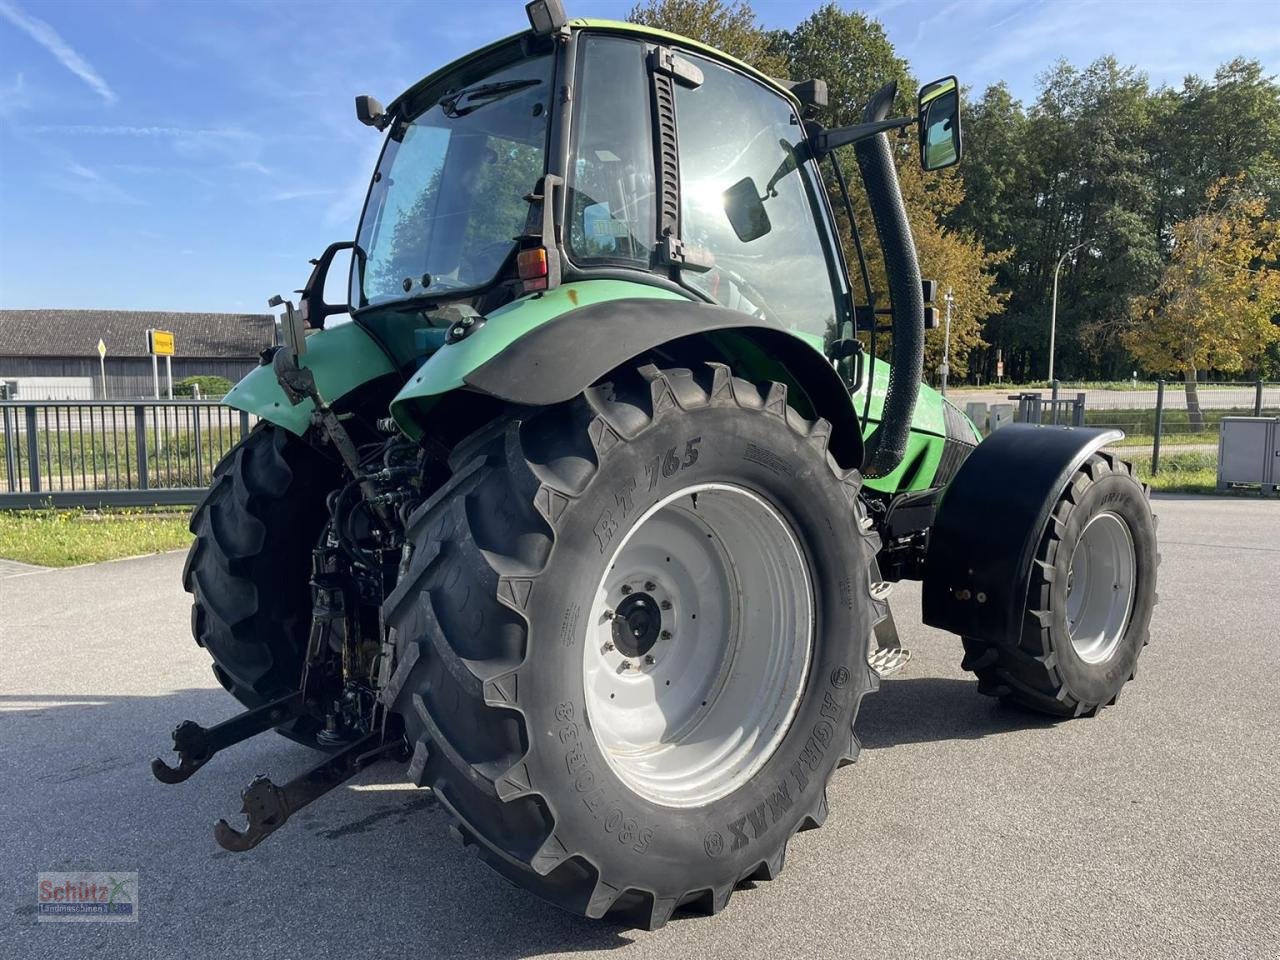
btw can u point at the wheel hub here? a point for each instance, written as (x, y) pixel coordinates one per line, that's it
(1101, 582)
(636, 624)
(698, 645)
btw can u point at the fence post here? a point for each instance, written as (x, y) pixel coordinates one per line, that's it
(1155, 444)
(10, 454)
(1257, 398)
(140, 442)
(244, 423)
(1078, 413)
(33, 452)
(1053, 401)
(195, 410)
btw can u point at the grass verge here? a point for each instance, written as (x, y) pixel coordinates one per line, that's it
(64, 538)
(1180, 472)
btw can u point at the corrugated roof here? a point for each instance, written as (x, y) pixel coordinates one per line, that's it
(75, 333)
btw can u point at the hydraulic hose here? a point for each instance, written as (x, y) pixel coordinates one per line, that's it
(888, 443)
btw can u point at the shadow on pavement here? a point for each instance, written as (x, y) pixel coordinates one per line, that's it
(368, 865)
(927, 709)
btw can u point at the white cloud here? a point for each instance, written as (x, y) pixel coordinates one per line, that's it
(14, 97)
(89, 185)
(254, 166)
(43, 34)
(300, 193)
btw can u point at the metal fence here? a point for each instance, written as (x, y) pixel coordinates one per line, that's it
(1167, 426)
(127, 453)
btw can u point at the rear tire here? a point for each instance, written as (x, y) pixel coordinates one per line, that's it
(494, 642)
(249, 567)
(1091, 593)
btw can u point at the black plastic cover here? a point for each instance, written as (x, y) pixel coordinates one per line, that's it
(989, 523)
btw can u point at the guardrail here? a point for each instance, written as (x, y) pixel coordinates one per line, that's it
(105, 453)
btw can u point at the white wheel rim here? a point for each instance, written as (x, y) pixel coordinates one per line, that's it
(698, 644)
(1100, 587)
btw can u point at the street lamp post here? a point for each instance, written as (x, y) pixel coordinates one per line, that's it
(1053, 308)
(945, 369)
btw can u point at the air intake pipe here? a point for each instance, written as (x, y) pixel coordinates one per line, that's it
(888, 443)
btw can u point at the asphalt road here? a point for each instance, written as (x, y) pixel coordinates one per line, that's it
(965, 830)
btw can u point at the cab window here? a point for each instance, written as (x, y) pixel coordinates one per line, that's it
(610, 185)
(732, 128)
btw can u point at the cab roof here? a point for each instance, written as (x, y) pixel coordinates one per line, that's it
(604, 26)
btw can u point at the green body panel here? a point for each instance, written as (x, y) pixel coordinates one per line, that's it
(341, 357)
(928, 433)
(445, 369)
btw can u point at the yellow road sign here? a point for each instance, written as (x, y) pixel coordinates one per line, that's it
(102, 349)
(160, 343)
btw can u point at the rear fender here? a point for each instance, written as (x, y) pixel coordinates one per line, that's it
(989, 522)
(342, 357)
(557, 359)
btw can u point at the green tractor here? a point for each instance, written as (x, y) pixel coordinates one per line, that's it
(590, 515)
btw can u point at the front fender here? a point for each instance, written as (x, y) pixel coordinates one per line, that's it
(449, 367)
(342, 358)
(989, 522)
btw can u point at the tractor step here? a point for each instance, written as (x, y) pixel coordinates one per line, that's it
(196, 745)
(267, 806)
(887, 661)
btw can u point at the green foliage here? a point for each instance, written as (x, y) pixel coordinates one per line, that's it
(210, 386)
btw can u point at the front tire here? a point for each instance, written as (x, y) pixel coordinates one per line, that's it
(249, 566)
(504, 667)
(1092, 590)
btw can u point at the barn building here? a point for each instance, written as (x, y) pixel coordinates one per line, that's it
(53, 354)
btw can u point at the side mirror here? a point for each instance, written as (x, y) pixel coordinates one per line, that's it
(312, 306)
(745, 210)
(940, 141)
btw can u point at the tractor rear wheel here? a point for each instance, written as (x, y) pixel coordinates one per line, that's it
(249, 566)
(633, 638)
(1092, 590)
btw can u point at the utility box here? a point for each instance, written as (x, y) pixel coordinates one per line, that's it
(1249, 452)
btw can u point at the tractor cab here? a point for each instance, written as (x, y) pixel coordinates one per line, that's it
(603, 150)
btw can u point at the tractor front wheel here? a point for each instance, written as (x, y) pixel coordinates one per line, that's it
(249, 566)
(1092, 589)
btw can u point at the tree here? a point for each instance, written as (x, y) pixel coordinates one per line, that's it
(1217, 300)
(853, 54)
(732, 27)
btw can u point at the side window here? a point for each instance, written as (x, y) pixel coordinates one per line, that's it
(732, 128)
(611, 183)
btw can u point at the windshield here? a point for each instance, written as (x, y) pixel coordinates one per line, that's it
(448, 197)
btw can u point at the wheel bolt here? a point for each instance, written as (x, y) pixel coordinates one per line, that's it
(626, 664)
(626, 588)
(665, 635)
(666, 604)
(608, 645)
(648, 658)
(650, 586)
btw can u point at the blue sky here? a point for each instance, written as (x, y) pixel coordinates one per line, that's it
(193, 155)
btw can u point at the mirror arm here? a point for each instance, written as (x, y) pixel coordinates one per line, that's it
(824, 141)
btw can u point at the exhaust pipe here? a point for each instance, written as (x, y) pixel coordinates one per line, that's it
(888, 443)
